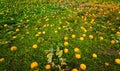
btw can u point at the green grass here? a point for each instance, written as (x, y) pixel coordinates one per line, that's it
(47, 23)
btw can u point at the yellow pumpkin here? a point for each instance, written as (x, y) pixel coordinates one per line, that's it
(77, 56)
(65, 38)
(13, 48)
(33, 65)
(73, 36)
(107, 64)
(94, 55)
(112, 41)
(74, 69)
(117, 61)
(48, 67)
(65, 43)
(81, 38)
(2, 59)
(65, 50)
(76, 49)
(82, 66)
(35, 46)
(90, 36)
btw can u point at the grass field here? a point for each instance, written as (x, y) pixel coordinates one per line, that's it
(66, 35)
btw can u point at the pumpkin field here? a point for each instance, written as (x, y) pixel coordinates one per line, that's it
(59, 35)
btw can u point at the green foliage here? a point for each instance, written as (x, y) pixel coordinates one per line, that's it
(45, 23)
